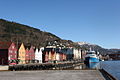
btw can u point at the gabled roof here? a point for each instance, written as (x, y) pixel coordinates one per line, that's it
(19, 45)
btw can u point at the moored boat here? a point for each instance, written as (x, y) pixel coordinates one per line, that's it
(91, 57)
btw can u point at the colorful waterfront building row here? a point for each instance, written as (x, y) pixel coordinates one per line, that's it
(10, 53)
(26, 54)
(53, 54)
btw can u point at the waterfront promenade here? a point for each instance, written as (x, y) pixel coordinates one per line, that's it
(52, 75)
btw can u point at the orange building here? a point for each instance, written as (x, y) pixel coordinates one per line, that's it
(22, 53)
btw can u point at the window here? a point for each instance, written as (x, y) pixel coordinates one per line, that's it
(15, 52)
(12, 47)
(9, 51)
(15, 56)
(11, 56)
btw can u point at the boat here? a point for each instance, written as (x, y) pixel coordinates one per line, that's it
(91, 57)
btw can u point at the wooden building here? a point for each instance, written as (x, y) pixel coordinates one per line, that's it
(22, 54)
(27, 56)
(115, 56)
(48, 55)
(12, 54)
(8, 53)
(77, 53)
(69, 53)
(39, 55)
(32, 54)
(53, 54)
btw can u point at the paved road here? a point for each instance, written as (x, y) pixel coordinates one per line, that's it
(51, 75)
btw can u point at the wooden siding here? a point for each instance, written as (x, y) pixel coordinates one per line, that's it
(12, 54)
(22, 53)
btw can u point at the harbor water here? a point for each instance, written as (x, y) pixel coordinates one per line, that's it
(112, 67)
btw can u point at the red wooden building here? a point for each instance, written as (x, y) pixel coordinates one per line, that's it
(53, 54)
(27, 56)
(62, 56)
(8, 53)
(30, 55)
(46, 56)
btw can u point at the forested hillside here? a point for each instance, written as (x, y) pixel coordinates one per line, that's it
(15, 32)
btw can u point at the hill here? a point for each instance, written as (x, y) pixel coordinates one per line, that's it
(18, 33)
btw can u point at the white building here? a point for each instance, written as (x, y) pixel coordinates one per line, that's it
(38, 55)
(77, 53)
(57, 57)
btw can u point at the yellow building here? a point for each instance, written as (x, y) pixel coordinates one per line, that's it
(21, 54)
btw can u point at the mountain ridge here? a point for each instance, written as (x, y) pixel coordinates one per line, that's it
(96, 47)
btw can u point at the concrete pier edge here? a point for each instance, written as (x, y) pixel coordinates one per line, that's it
(107, 75)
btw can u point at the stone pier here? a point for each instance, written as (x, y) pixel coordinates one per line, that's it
(52, 75)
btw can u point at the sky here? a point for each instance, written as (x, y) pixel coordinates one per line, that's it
(93, 21)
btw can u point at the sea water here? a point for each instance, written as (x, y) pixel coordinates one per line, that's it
(112, 67)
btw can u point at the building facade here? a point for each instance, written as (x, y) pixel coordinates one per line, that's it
(32, 54)
(8, 53)
(39, 55)
(12, 54)
(22, 54)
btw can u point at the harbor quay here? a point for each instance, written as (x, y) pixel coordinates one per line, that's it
(75, 70)
(45, 66)
(52, 75)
